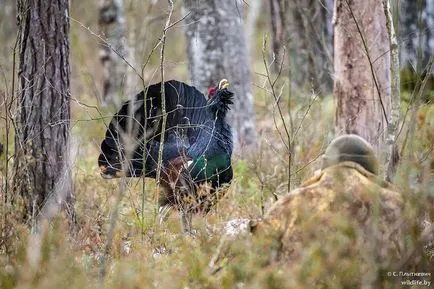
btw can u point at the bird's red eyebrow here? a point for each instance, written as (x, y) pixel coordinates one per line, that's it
(211, 91)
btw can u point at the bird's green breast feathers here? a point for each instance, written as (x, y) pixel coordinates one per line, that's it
(204, 168)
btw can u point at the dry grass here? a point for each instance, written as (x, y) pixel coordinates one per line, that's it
(145, 256)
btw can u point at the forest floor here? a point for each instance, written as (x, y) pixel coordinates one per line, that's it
(148, 254)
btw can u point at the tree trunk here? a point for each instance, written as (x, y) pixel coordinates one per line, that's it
(216, 49)
(43, 107)
(251, 19)
(8, 34)
(417, 22)
(391, 155)
(278, 31)
(362, 70)
(310, 43)
(112, 25)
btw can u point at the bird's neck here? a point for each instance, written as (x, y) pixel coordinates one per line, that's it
(214, 139)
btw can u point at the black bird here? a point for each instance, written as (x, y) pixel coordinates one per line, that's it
(197, 150)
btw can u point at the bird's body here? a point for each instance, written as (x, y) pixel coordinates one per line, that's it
(197, 143)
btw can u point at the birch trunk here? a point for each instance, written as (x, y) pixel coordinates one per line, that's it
(252, 18)
(112, 25)
(216, 49)
(391, 150)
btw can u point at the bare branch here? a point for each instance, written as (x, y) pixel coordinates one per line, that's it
(163, 109)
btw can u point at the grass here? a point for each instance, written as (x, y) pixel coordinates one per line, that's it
(145, 256)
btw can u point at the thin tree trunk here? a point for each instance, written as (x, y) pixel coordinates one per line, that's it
(417, 22)
(362, 70)
(298, 50)
(278, 31)
(8, 33)
(112, 25)
(391, 150)
(43, 106)
(216, 49)
(311, 54)
(133, 78)
(252, 18)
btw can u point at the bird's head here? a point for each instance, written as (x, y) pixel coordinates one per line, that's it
(220, 98)
(224, 83)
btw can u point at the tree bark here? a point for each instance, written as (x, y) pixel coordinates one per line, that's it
(216, 49)
(278, 31)
(251, 19)
(391, 156)
(362, 70)
(43, 107)
(112, 25)
(309, 39)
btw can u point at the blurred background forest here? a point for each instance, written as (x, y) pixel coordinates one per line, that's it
(279, 57)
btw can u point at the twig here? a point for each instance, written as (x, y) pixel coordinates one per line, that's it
(112, 225)
(107, 44)
(272, 84)
(425, 237)
(410, 105)
(8, 108)
(122, 187)
(304, 116)
(276, 98)
(212, 265)
(416, 100)
(163, 109)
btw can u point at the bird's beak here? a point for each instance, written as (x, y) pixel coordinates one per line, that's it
(224, 83)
